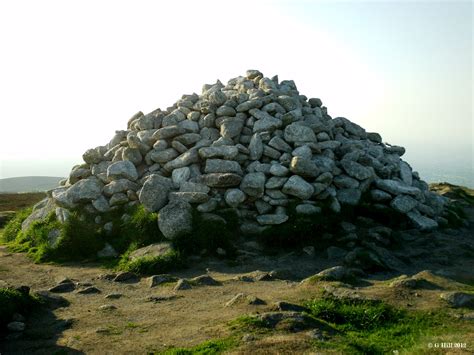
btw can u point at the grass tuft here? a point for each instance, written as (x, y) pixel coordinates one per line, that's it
(209, 347)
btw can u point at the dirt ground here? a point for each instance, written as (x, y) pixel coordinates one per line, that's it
(136, 325)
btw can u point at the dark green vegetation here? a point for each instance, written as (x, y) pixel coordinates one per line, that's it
(152, 265)
(80, 238)
(207, 348)
(356, 326)
(374, 327)
(15, 301)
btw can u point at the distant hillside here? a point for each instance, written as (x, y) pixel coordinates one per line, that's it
(29, 183)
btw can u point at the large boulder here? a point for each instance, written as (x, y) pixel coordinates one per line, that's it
(154, 193)
(175, 219)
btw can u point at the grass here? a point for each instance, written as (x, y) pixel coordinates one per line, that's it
(246, 323)
(13, 301)
(215, 346)
(374, 327)
(152, 265)
(370, 327)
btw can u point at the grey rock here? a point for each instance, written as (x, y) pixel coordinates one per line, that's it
(168, 132)
(222, 166)
(248, 105)
(154, 193)
(253, 184)
(304, 167)
(459, 299)
(107, 251)
(182, 284)
(279, 144)
(122, 170)
(204, 280)
(157, 280)
(120, 185)
(356, 170)
(85, 190)
(89, 291)
(92, 156)
(127, 277)
(175, 219)
(185, 159)
(255, 147)
(272, 219)
(107, 307)
(208, 206)
(307, 209)
(231, 128)
(271, 153)
(225, 111)
(379, 195)
(190, 197)
(132, 154)
(345, 182)
(267, 124)
(152, 250)
(349, 196)
(405, 173)
(63, 287)
(180, 175)
(221, 179)
(275, 182)
(403, 203)
(113, 296)
(163, 156)
(234, 197)
(422, 222)
(279, 170)
(224, 152)
(396, 187)
(188, 139)
(298, 133)
(304, 152)
(374, 137)
(298, 187)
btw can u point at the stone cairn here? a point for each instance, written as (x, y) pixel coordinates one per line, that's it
(254, 145)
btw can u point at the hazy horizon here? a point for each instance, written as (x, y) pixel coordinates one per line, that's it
(72, 74)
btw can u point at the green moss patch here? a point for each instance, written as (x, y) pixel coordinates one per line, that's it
(209, 347)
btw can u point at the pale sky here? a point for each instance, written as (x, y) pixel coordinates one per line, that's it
(73, 72)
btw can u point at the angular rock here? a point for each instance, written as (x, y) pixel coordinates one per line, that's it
(298, 187)
(222, 166)
(154, 193)
(224, 152)
(356, 170)
(122, 170)
(255, 147)
(299, 133)
(304, 167)
(403, 203)
(175, 219)
(221, 179)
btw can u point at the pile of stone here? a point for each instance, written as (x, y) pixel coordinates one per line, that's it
(254, 145)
